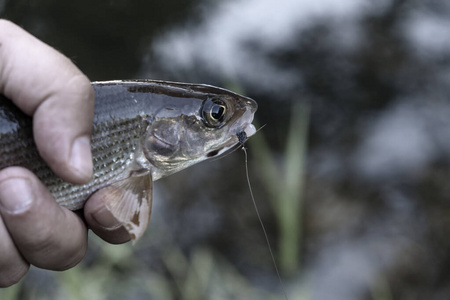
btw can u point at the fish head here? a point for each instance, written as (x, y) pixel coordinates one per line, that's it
(206, 127)
(224, 118)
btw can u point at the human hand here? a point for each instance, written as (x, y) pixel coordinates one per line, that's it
(34, 229)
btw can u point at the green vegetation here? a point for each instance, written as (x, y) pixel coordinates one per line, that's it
(284, 183)
(380, 289)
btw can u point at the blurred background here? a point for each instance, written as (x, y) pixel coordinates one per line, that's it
(350, 171)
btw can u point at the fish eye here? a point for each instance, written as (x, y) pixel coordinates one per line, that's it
(213, 112)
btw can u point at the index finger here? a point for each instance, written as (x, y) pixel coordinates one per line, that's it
(48, 86)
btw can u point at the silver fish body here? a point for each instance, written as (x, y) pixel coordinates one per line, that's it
(143, 130)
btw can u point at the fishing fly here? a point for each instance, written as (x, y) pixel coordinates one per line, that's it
(242, 137)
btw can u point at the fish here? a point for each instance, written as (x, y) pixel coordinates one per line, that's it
(143, 130)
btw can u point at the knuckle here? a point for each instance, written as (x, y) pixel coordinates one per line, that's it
(82, 85)
(41, 242)
(6, 24)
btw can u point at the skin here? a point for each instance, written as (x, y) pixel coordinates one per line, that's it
(34, 229)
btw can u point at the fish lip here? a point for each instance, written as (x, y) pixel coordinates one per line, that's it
(250, 130)
(221, 150)
(244, 123)
(230, 144)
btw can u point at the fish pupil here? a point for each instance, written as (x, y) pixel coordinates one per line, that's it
(214, 113)
(217, 112)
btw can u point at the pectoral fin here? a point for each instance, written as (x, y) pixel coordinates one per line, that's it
(130, 202)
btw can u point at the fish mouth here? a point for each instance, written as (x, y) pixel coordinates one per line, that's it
(247, 132)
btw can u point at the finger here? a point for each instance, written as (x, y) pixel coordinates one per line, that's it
(12, 265)
(46, 234)
(101, 221)
(44, 83)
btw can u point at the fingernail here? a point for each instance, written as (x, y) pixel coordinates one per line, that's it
(81, 158)
(16, 195)
(105, 219)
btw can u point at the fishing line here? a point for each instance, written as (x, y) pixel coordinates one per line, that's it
(242, 138)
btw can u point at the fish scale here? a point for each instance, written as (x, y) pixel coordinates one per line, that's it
(111, 155)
